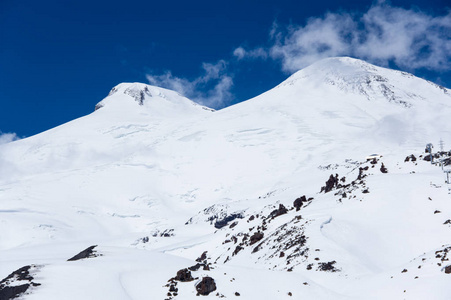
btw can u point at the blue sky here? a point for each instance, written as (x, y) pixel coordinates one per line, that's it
(59, 58)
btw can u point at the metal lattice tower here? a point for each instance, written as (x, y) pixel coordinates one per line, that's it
(442, 144)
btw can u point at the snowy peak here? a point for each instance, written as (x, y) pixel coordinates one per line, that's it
(148, 96)
(272, 198)
(355, 76)
(137, 91)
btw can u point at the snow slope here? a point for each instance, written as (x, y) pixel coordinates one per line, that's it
(149, 173)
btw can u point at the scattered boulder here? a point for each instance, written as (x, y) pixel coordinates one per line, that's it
(237, 294)
(184, 275)
(256, 237)
(87, 253)
(167, 233)
(221, 223)
(331, 183)
(257, 248)
(206, 286)
(383, 169)
(361, 174)
(237, 249)
(202, 257)
(298, 202)
(278, 212)
(233, 224)
(447, 269)
(197, 267)
(328, 266)
(410, 158)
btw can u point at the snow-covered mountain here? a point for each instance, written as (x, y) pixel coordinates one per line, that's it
(276, 191)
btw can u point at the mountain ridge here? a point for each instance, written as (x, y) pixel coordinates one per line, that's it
(356, 75)
(272, 197)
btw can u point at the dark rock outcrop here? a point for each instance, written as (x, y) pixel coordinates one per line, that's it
(87, 253)
(331, 183)
(206, 286)
(237, 250)
(361, 174)
(298, 202)
(202, 257)
(256, 237)
(11, 292)
(221, 223)
(9, 289)
(447, 269)
(184, 275)
(197, 267)
(328, 266)
(278, 212)
(410, 158)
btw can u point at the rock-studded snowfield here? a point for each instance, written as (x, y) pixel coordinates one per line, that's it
(154, 181)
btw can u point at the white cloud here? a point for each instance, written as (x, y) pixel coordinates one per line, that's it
(409, 38)
(241, 53)
(319, 38)
(211, 89)
(382, 35)
(7, 137)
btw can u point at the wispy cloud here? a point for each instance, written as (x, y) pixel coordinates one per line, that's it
(409, 38)
(383, 35)
(241, 53)
(212, 88)
(7, 137)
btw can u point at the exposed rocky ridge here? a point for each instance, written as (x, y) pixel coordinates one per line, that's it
(18, 282)
(87, 253)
